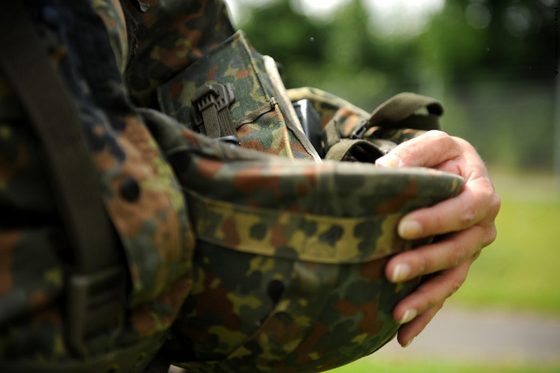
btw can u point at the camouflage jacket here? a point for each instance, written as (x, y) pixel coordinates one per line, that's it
(140, 192)
(116, 57)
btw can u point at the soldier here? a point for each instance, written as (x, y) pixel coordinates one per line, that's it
(136, 233)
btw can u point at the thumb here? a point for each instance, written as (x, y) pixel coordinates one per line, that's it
(427, 150)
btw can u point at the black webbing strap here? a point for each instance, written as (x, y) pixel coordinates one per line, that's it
(96, 284)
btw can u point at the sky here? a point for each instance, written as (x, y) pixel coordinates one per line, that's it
(390, 16)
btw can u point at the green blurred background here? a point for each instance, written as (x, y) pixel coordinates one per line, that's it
(494, 65)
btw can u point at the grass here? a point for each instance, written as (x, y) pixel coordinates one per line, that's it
(369, 365)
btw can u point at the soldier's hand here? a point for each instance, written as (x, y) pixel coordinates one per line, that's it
(464, 225)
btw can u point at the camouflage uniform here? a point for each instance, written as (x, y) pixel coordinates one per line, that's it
(234, 261)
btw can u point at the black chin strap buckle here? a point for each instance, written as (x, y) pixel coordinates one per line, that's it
(360, 131)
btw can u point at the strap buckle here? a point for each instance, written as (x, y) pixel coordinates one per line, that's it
(211, 109)
(359, 131)
(231, 140)
(95, 307)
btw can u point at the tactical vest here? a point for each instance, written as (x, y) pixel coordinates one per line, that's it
(228, 225)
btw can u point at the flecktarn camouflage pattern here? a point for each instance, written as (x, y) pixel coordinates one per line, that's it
(261, 117)
(307, 289)
(290, 256)
(258, 257)
(140, 193)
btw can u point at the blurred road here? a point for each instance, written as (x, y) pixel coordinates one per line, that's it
(483, 337)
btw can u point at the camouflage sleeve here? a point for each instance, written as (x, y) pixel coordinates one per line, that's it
(140, 191)
(111, 12)
(167, 36)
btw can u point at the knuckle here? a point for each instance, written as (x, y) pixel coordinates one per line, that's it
(495, 205)
(436, 308)
(437, 134)
(475, 256)
(437, 223)
(464, 144)
(431, 303)
(457, 255)
(424, 290)
(455, 285)
(468, 218)
(457, 280)
(490, 236)
(425, 264)
(486, 189)
(489, 196)
(427, 299)
(442, 138)
(484, 207)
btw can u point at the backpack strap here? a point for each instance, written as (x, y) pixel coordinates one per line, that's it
(96, 297)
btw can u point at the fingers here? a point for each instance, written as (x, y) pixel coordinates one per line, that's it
(427, 150)
(447, 253)
(409, 331)
(478, 200)
(464, 224)
(416, 310)
(477, 203)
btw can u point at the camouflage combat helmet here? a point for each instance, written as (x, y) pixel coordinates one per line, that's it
(290, 256)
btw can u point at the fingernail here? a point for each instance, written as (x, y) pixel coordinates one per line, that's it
(400, 273)
(389, 160)
(408, 343)
(408, 316)
(410, 229)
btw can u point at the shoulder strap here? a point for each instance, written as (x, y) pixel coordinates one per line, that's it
(96, 285)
